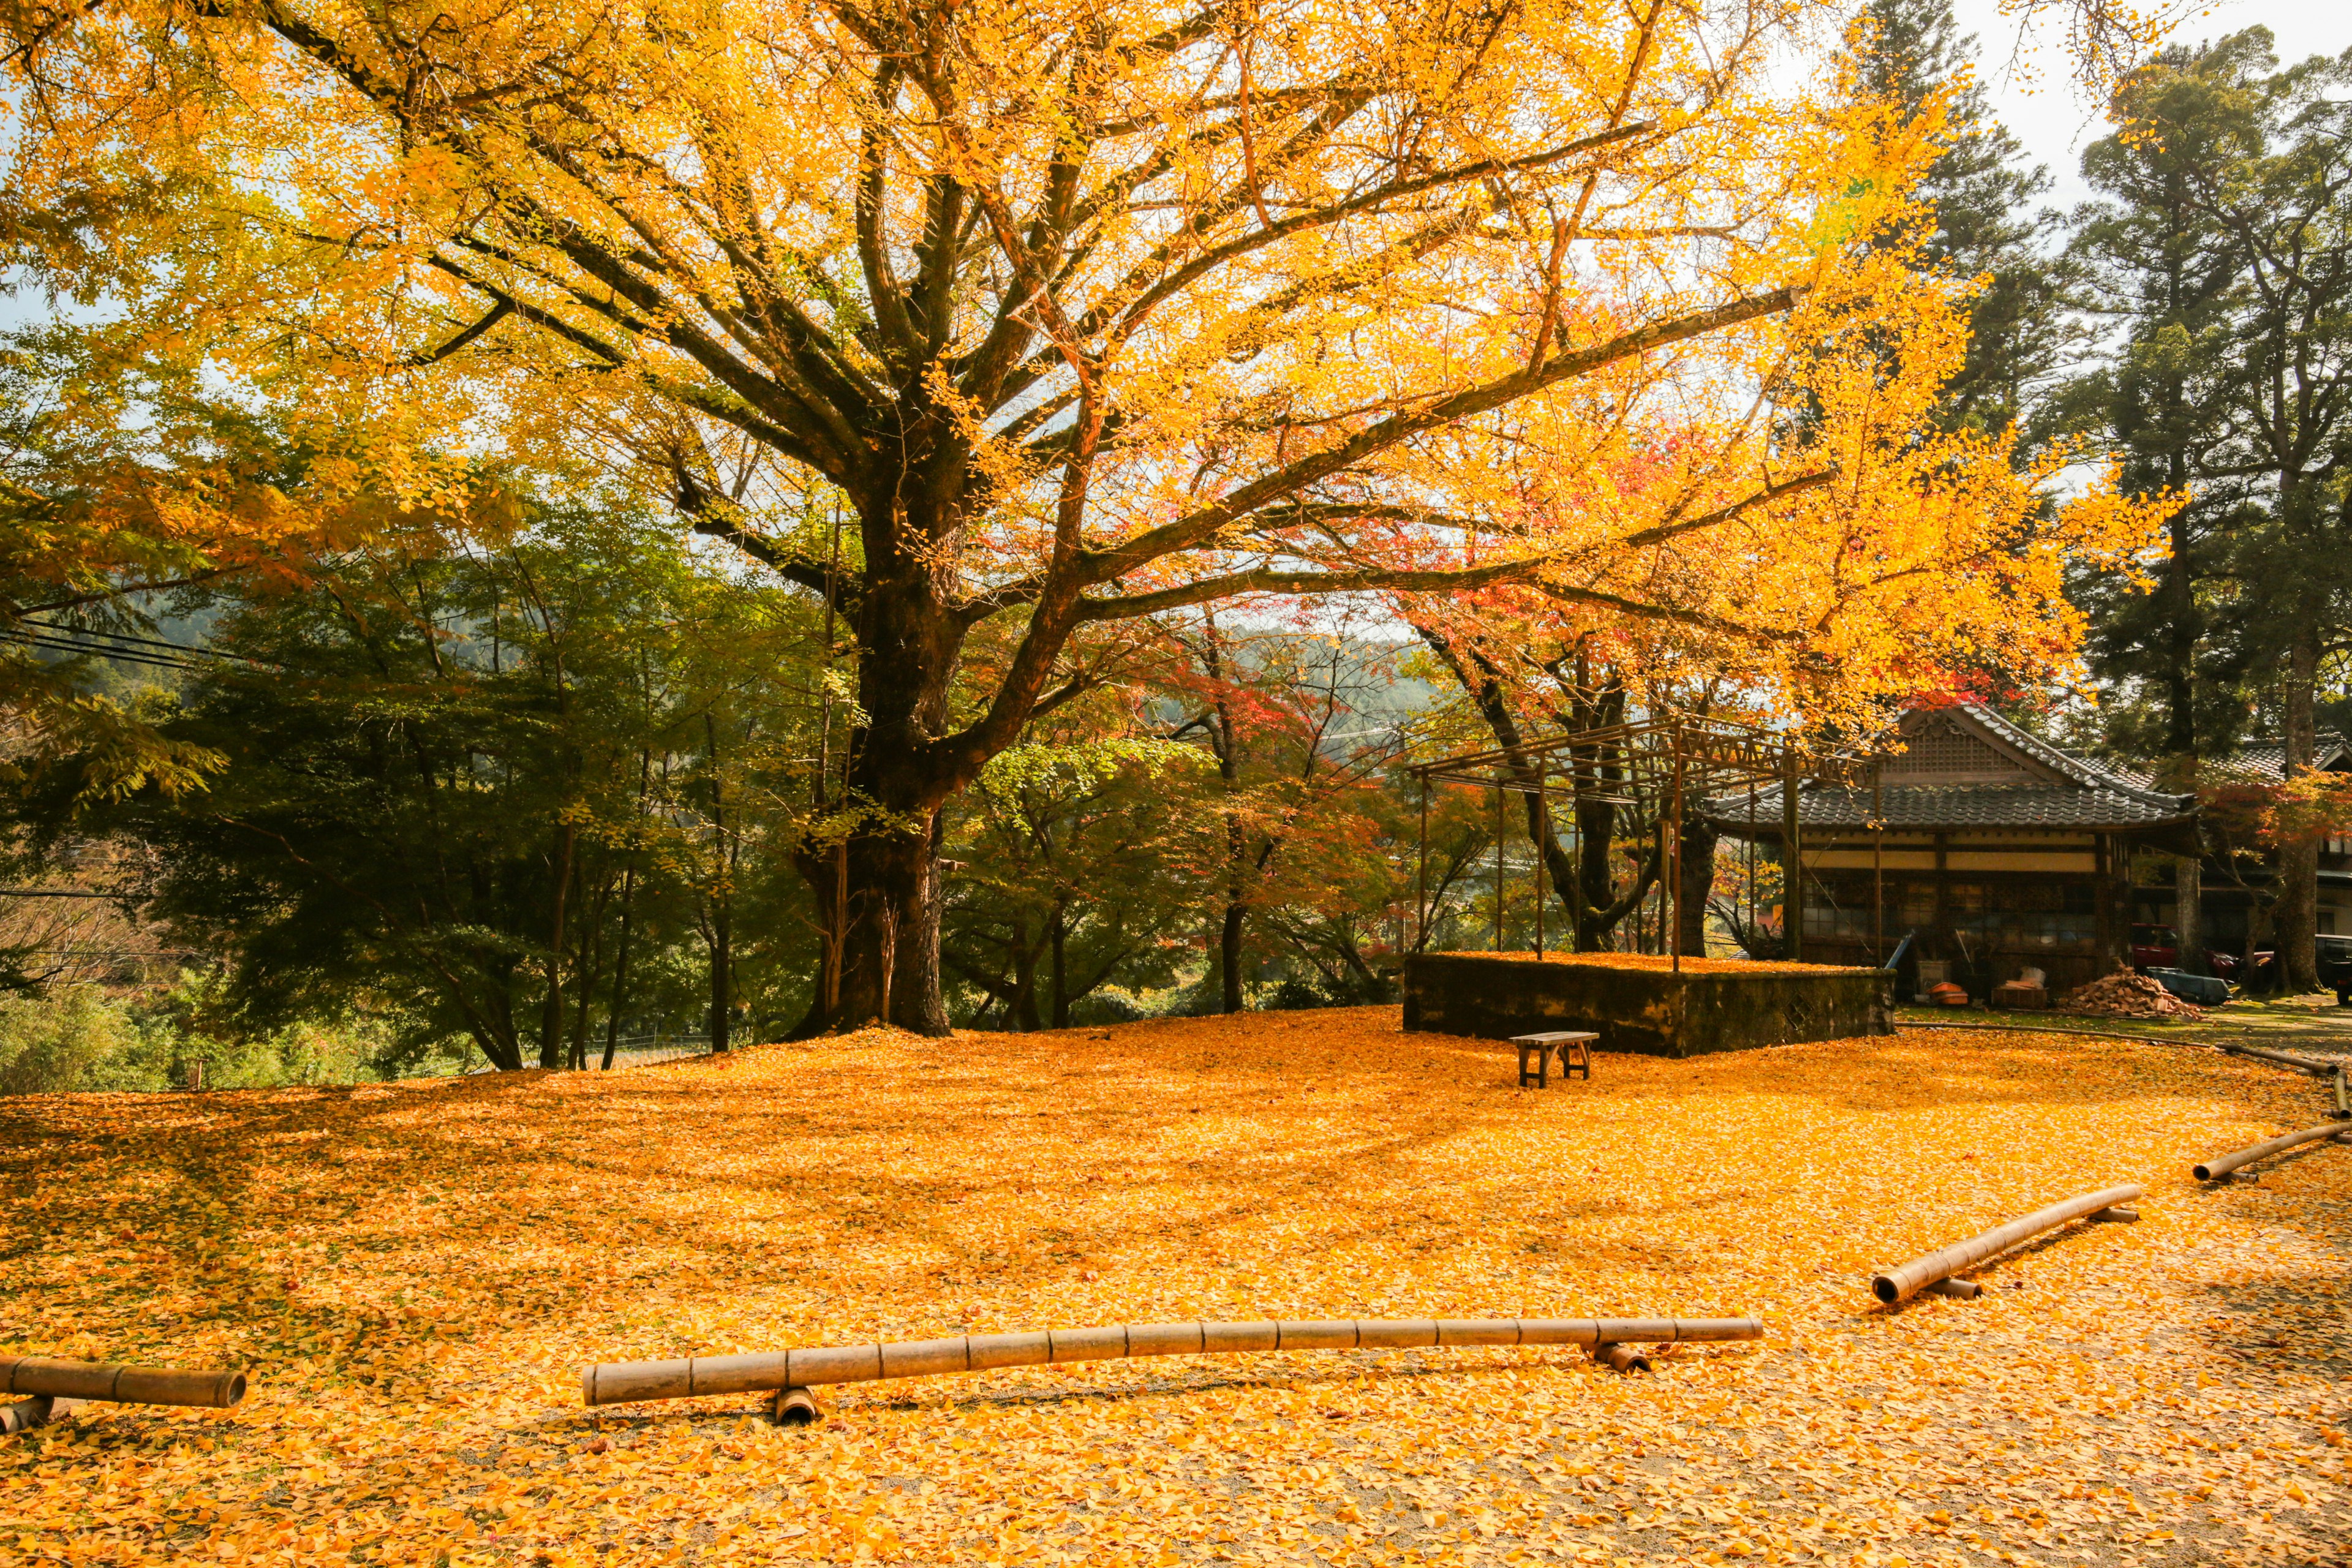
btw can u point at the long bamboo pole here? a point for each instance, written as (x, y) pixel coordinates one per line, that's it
(2316, 1069)
(122, 1384)
(2213, 1170)
(1900, 1284)
(621, 1382)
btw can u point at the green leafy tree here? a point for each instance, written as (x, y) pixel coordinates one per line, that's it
(1068, 868)
(460, 782)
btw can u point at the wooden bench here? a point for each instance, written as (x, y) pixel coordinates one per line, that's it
(1573, 1054)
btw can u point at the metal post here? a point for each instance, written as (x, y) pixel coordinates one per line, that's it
(1420, 897)
(1543, 854)
(1670, 905)
(1792, 865)
(1498, 865)
(1877, 867)
(1751, 864)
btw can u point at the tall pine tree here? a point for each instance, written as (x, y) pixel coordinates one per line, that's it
(2160, 281)
(2223, 258)
(1988, 226)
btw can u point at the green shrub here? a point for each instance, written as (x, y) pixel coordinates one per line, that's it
(76, 1038)
(79, 1039)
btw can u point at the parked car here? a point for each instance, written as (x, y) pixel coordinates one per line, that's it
(2155, 947)
(2159, 947)
(2336, 967)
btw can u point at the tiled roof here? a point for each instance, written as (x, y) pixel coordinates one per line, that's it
(2083, 793)
(2081, 770)
(1912, 807)
(2266, 762)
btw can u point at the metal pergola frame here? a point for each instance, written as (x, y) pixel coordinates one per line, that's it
(1668, 755)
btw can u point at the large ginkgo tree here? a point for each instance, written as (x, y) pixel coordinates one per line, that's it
(1082, 313)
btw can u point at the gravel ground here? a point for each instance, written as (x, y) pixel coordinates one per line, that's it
(412, 1273)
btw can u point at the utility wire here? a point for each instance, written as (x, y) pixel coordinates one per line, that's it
(174, 648)
(54, 644)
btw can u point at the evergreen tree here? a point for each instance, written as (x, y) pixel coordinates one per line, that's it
(2223, 258)
(2287, 216)
(1987, 227)
(2161, 281)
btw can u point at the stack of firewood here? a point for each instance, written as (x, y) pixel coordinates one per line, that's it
(2127, 995)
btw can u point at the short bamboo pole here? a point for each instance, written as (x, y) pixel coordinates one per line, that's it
(25, 1413)
(122, 1384)
(796, 1407)
(2213, 1170)
(622, 1381)
(1620, 1358)
(1901, 1284)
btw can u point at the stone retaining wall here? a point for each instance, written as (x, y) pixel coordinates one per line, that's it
(1640, 1008)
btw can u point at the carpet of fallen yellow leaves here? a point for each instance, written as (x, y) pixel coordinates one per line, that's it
(413, 1273)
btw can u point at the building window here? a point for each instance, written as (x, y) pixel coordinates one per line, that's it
(1839, 906)
(2039, 914)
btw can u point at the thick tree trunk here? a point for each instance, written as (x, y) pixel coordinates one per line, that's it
(2182, 629)
(1020, 1008)
(1698, 883)
(888, 933)
(1058, 934)
(881, 901)
(2261, 924)
(620, 968)
(2297, 917)
(1229, 953)
(1595, 889)
(2188, 915)
(551, 1023)
(722, 955)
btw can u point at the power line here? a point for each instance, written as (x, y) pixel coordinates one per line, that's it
(172, 647)
(56, 644)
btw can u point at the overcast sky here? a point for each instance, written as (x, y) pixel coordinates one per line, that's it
(2049, 115)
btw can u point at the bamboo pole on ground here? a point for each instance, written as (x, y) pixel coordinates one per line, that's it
(1900, 1284)
(2316, 1067)
(122, 1384)
(2214, 1170)
(42, 1382)
(696, 1377)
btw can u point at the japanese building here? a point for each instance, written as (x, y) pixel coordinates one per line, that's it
(2000, 851)
(2239, 882)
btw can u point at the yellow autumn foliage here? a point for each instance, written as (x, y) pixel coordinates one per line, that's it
(1095, 310)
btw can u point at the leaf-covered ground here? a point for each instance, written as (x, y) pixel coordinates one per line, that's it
(414, 1274)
